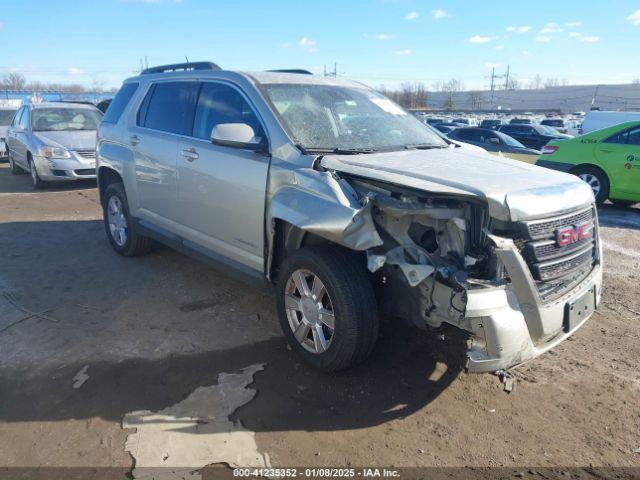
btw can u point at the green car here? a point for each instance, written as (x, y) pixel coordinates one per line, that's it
(608, 160)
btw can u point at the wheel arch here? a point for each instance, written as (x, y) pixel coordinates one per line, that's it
(106, 177)
(287, 238)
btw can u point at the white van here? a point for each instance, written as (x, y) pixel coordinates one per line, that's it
(597, 120)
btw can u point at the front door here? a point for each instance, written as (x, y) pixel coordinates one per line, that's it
(619, 155)
(221, 190)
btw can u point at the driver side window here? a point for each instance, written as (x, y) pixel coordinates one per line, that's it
(24, 119)
(218, 104)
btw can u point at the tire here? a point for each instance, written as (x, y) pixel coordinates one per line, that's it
(347, 293)
(15, 169)
(597, 180)
(120, 225)
(35, 178)
(623, 203)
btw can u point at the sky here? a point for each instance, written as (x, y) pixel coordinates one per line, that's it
(380, 42)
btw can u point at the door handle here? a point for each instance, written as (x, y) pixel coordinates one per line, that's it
(134, 140)
(190, 154)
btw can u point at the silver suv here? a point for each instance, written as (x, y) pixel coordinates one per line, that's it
(352, 208)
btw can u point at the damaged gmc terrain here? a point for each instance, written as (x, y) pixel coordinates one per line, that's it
(352, 208)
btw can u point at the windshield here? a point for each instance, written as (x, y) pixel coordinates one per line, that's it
(547, 130)
(327, 118)
(6, 116)
(64, 119)
(553, 123)
(512, 142)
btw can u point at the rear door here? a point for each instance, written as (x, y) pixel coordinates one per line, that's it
(619, 155)
(221, 190)
(165, 115)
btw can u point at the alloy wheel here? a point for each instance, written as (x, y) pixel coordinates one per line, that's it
(309, 311)
(592, 181)
(34, 173)
(117, 221)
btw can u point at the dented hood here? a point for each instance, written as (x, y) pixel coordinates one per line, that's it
(513, 190)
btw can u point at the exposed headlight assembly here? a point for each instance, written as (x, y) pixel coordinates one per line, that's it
(54, 152)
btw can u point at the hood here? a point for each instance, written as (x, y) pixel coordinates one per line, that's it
(513, 190)
(71, 140)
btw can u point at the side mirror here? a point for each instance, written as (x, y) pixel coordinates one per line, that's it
(494, 141)
(237, 135)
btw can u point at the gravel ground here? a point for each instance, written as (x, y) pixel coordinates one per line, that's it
(151, 330)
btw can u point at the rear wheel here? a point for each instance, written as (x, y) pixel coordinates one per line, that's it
(327, 307)
(597, 180)
(120, 226)
(15, 169)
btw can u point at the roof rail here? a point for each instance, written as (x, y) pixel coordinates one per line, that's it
(181, 66)
(299, 71)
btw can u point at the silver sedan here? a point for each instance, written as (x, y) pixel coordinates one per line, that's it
(54, 142)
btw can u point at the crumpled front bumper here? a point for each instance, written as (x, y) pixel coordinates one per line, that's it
(65, 169)
(512, 325)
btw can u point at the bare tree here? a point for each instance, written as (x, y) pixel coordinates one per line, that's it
(551, 82)
(409, 95)
(476, 99)
(536, 82)
(451, 87)
(513, 84)
(14, 81)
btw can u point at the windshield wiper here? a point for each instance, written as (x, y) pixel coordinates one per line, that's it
(423, 146)
(341, 151)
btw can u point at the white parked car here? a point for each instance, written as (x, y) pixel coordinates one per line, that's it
(597, 120)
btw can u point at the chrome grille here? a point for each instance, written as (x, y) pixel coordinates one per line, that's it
(556, 268)
(86, 153)
(546, 228)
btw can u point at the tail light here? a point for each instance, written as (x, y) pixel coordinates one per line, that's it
(549, 149)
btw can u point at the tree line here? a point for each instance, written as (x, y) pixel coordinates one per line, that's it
(17, 81)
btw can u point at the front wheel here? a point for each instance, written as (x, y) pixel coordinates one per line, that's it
(35, 178)
(597, 180)
(119, 224)
(327, 307)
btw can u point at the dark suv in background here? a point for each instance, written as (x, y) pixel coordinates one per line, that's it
(532, 136)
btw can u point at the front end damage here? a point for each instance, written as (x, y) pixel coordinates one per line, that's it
(441, 258)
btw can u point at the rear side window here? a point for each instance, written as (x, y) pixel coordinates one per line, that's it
(219, 103)
(119, 103)
(169, 107)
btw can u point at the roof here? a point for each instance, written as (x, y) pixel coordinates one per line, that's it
(259, 77)
(279, 77)
(62, 105)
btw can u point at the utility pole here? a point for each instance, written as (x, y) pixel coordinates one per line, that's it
(331, 74)
(493, 83)
(506, 81)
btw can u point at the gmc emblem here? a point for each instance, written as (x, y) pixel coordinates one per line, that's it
(568, 235)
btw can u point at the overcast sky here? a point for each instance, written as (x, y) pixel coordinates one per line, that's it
(376, 41)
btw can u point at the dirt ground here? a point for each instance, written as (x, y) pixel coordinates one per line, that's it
(153, 329)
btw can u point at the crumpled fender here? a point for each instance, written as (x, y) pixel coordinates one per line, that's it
(319, 203)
